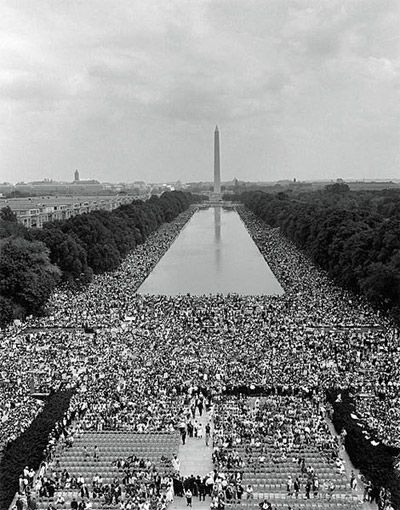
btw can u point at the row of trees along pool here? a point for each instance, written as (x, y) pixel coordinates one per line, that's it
(353, 235)
(34, 261)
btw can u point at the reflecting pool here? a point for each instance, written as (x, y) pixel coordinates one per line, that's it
(213, 254)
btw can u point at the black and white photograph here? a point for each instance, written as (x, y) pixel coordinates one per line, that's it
(200, 254)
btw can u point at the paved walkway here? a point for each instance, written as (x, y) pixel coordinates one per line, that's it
(196, 459)
(349, 468)
(195, 456)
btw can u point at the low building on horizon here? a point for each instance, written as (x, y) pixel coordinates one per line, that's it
(33, 212)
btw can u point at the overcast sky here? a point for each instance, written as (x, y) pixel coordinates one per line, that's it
(128, 90)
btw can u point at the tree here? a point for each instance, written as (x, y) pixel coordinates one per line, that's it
(6, 214)
(27, 276)
(338, 187)
(381, 285)
(66, 253)
(6, 311)
(9, 224)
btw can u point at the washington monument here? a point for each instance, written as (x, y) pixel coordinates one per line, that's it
(217, 169)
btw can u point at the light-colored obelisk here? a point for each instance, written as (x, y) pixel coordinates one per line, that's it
(217, 168)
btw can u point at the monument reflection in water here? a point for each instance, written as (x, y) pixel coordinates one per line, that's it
(217, 235)
(213, 254)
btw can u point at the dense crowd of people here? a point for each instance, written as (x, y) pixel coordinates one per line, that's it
(145, 486)
(147, 356)
(275, 429)
(55, 349)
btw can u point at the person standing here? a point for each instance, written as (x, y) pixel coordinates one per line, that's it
(353, 481)
(331, 490)
(202, 488)
(190, 428)
(249, 492)
(367, 490)
(308, 488)
(208, 433)
(200, 406)
(170, 494)
(297, 487)
(188, 496)
(289, 486)
(315, 487)
(183, 433)
(176, 464)
(177, 485)
(21, 485)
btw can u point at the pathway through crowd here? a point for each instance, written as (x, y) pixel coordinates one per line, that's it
(196, 459)
(349, 467)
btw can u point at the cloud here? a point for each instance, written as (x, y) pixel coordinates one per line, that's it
(141, 76)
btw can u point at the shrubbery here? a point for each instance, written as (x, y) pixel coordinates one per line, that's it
(28, 448)
(375, 462)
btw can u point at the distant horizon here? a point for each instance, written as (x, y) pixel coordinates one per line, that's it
(133, 90)
(174, 181)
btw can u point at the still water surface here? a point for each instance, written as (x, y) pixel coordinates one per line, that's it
(213, 254)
